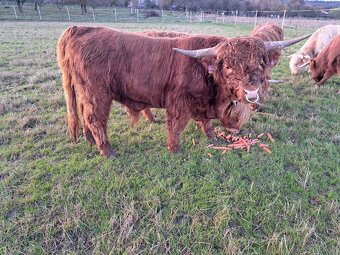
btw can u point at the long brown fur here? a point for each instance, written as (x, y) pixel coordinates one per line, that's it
(101, 64)
(147, 113)
(265, 32)
(269, 32)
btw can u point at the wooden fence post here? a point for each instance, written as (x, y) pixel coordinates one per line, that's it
(255, 21)
(236, 12)
(15, 12)
(68, 13)
(283, 19)
(94, 17)
(39, 12)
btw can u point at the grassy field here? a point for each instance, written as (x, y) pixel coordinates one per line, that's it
(57, 197)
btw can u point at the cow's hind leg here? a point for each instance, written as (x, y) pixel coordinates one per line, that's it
(177, 119)
(148, 114)
(134, 115)
(86, 131)
(95, 119)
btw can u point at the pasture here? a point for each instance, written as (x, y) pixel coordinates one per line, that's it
(57, 197)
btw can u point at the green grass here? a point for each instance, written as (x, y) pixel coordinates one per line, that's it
(57, 197)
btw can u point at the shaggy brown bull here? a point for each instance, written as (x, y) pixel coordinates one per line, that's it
(101, 64)
(327, 63)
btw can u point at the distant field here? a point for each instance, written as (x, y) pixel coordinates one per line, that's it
(57, 197)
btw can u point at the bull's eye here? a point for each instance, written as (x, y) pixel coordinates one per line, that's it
(255, 80)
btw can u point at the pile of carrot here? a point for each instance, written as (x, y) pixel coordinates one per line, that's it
(242, 142)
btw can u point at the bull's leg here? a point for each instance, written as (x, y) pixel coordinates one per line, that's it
(148, 114)
(326, 76)
(86, 131)
(95, 118)
(177, 119)
(207, 128)
(134, 115)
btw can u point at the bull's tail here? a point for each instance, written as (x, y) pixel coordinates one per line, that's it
(69, 91)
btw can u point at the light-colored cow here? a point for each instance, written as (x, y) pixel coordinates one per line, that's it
(312, 47)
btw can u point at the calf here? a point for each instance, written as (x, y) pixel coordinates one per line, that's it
(327, 63)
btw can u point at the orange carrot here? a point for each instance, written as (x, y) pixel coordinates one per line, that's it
(270, 137)
(266, 150)
(219, 148)
(193, 142)
(263, 145)
(221, 134)
(260, 135)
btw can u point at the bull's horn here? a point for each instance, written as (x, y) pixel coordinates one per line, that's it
(305, 64)
(272, 45)
(208, 52)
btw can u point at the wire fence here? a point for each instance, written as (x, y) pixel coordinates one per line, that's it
(50, 12)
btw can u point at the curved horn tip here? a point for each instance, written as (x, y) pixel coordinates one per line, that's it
(271, 45)
(305, 64)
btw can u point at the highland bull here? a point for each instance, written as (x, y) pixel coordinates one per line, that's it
(100, 65)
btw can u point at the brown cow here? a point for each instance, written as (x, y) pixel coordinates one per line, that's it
(101, 64)
(327, 63)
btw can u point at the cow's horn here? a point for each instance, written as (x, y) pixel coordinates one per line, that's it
(208, 52)
(272, 45)
(305, 64)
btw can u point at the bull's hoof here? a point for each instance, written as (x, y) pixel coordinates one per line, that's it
(108, 152)
(173, 149)
(89, 138)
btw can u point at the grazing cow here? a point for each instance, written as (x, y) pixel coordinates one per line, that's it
(312, 47)
(327, 63)
(101, 64)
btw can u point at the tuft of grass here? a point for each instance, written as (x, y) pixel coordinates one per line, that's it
(58, 197)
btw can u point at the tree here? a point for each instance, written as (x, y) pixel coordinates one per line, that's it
(20, 3)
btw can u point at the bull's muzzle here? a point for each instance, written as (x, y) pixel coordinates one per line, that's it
(252, 96)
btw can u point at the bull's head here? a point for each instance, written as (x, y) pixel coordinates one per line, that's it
(240, 74)
(297, 61)
(317, 70)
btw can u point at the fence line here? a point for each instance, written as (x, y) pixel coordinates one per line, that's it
(50, 12)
